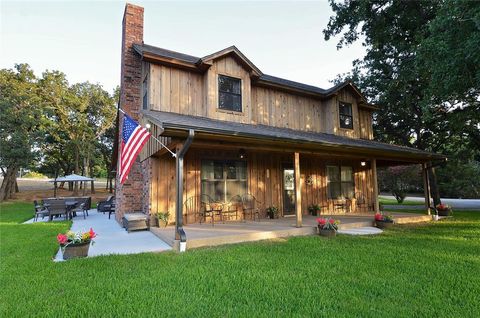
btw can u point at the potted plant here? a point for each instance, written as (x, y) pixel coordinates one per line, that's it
(313, 209)
(327, 227)
(75, 244)
(444, 209)
(272, 212)
(163, 218)
(383, 221)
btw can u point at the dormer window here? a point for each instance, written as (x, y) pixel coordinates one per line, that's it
(229, 93)
(346, 115)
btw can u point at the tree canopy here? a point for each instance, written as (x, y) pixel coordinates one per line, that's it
(422, 67)
(52, 126)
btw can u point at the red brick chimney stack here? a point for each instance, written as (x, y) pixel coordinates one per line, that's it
(131, 195)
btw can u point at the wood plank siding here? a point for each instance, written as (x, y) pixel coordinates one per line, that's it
(196, 94)
(264, 179)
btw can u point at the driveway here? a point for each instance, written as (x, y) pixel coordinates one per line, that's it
(461, 204)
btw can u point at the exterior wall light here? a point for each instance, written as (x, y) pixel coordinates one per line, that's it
(363, 163)
(242, 154)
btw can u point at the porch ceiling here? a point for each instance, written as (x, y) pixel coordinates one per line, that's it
(176, 125)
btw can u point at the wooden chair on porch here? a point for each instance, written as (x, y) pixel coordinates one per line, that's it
(203, 207)
(232, 207)
(250, 206)
(362, 203)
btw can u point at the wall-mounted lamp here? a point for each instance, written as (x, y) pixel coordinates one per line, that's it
(147, 126)
(363, 163)
(268, 173)
(242, 154)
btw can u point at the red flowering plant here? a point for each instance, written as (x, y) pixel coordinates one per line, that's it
(381, 217)
(328, 224)
(443, 207)
(76, 237)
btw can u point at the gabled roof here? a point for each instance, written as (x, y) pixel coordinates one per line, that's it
(232, 50)
(200, 64)
(174, 121)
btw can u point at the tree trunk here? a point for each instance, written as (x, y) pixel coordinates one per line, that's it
(433, 187)
(77, 169)
(16, 186)
(8, 185)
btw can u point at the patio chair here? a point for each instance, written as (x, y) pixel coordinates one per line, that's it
(203, 206)
(40, 210)
(105, 206)
(84, 207)
(112, 210)
(232, 207)
(57, 208)
(251, 206)
(361, 202)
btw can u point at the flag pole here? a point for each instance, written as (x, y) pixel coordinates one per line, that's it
(161, 143)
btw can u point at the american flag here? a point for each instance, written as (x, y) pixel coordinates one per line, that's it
(134, 137)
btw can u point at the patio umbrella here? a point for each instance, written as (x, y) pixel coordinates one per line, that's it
(70, 178)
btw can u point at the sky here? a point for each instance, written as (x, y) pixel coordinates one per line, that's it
(82, 39)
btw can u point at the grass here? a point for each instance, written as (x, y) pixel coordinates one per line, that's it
(16, 212)
(386, 201)
(422, 270)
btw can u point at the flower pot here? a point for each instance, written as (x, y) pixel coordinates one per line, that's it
(162, 223)
(445, 212)
(75, 250)
(327, 233)
(384, 224)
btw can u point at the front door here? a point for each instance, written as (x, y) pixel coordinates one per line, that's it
(288, 190)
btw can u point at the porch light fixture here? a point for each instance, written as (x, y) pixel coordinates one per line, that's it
(363, 163)
(241, 153)
(147, 126)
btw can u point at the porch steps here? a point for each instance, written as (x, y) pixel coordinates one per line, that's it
(194, 242)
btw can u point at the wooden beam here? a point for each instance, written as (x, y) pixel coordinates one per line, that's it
(426, 187)
(298, 190)
(375, 185)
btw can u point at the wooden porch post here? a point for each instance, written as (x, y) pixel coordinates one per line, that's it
(426, 187)
(375, 186)
(298, 190)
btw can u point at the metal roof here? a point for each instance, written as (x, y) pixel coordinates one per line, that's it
(71, 178)
(263, 78)
(168, 120)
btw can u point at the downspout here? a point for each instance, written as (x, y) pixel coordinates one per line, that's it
(180, 235)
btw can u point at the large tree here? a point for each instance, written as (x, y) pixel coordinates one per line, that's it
(21, 123)
(421, 67)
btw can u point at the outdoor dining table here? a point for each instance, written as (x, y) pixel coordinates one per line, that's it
(69, 206)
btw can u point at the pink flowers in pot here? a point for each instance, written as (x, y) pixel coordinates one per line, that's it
(76, 237)
(380, 217)
(328, 224)
(442, 207)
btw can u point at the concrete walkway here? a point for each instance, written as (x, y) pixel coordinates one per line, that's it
(112, 238)
(368, 230)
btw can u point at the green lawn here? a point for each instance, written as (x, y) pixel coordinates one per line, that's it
(386, 201)
(429, 270)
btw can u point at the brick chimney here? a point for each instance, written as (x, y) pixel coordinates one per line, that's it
(131, 195)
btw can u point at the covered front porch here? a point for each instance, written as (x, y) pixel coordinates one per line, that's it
(282, 168)
(203, 235)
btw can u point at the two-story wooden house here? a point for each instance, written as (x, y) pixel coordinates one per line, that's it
(238, 131)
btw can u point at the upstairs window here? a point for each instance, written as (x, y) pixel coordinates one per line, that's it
(340, 182)
(229, 93)
(346, 116)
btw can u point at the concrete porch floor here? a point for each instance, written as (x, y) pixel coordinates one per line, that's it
(199, 235)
